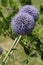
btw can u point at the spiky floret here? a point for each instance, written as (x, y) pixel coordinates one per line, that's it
(30, 10)
(22, 23)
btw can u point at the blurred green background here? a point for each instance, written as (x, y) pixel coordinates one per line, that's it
(30, 49)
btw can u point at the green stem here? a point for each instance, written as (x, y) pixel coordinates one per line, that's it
(14, 43)
(17, 41)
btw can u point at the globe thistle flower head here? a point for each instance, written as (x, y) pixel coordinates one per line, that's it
(30, 10)
(22, 23)
(1, 50)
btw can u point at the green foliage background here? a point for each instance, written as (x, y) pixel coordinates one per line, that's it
(33, 44)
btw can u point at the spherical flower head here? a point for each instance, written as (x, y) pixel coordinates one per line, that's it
(1, 50)
(31, 10)
(22, 23)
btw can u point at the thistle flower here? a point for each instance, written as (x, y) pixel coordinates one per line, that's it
(1, 50)
(22, 23)
(30, 10)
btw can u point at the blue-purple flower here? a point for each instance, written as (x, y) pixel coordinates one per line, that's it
(22, 23)
(30, 10)
(1, 50)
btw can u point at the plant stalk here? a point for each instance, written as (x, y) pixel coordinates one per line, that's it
(16, 41)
